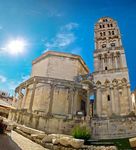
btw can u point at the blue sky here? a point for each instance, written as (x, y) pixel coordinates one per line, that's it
(61, 25)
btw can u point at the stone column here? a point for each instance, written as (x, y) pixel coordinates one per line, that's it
(88, 103)
(94, 105)
(32, 96)
(112, 100)
(70, 99)
(103, 64)
(52, 87)
(109, 62)
(116, 62)
(116, 97)
(129, 98)
(98, 101)
(24, 99)
(19, 98)
(14, 100)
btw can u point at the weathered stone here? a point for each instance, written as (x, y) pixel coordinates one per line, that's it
(38, 136)
(55, 141)
(132, 142)
(48, 145)
(76, 143)
(29, 130)
(65, 141)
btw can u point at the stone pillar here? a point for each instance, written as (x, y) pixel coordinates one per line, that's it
(24, 99)
(20, 95)
(94, 105)
(88, 103)
(70, 99)
(116, 97)
(14, 100)
(32, 96)
(98, 102)
(129, 98)
(116, 62)
(109, 63)
(52, 87)
(112, 100)
(103, 64)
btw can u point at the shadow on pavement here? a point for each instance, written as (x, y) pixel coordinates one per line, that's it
(6, 143)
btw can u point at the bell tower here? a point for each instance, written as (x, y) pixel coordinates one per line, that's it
(111, 73)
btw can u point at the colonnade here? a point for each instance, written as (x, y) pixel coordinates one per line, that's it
(109, 61)
(119, 103)
(72, 97)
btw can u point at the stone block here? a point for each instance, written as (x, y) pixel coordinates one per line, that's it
(76, 143)
(132, 142)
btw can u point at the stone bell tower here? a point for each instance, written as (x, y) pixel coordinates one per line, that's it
(111, 73)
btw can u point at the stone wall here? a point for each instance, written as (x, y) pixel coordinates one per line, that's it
(58, 141)
(49, 124)
(59, 65)
(113, 128)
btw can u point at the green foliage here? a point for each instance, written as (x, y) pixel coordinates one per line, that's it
(81, 132)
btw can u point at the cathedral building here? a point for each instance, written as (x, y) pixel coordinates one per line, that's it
(111, 72)
(114, 112)
(57, 96)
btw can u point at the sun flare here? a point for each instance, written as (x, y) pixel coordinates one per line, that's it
(16, 46)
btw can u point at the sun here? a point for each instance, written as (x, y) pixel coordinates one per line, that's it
(16, 46)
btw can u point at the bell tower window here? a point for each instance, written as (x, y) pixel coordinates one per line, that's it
(112, 44)
(108, 97)
(104, 45)
(106, 68)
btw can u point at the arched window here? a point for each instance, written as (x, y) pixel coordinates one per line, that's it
(112, 44)
(104, 33)
(108, 25)
(111, 25)
(103, 26)
(100, 33)
(104, 45)
(109, 33)
(106, 68)
(112, 32)
(108, 97)
(100, 26)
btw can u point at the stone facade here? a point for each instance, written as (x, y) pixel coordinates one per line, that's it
(52, 95)
(114, 112)
(57, 95)
(111, 77)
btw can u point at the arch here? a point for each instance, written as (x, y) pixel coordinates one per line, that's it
(124, 80)
(107, 82)
(98, 83)
(115, 81)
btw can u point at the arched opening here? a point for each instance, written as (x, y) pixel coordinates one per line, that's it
(106, 68)
(108, 97)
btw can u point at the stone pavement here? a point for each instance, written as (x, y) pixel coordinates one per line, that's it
(15, 141)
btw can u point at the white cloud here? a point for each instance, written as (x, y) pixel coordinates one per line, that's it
(63, 38)
(70, 26)
(3, 79)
